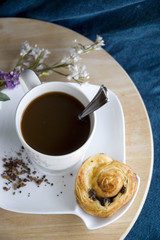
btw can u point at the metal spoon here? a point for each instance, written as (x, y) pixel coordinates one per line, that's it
(98, 101)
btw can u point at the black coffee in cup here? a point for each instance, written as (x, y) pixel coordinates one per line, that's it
(51, 126)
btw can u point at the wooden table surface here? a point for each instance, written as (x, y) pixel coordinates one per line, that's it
(105, 70)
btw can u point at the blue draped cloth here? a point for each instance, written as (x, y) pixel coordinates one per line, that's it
(131, 30)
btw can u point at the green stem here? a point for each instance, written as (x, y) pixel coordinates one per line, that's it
(2, 81)
(42, 70)
(65, 75)
(19, 62)
(51, 68)
(64, 65)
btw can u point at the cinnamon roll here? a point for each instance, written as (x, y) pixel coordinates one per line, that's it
(104, 185)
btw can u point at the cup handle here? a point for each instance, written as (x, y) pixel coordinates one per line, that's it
(28, 80)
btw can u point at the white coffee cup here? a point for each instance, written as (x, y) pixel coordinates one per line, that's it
(48, 163)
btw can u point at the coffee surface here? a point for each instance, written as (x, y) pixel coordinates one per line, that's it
(51, 126)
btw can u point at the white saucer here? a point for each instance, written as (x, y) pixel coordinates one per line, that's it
(109, 138)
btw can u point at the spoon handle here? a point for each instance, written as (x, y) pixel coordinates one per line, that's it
(98, 101)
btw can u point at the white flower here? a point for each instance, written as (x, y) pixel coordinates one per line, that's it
(35, 51)
(67, 60)
(73, 58)
(77, 47)
(78, 72)
(74, 55)
(25, 48)
(99, 42)
(33, 57)
(46, 53)
(83, 73)
(40, 67)
(26, 64)
(17, 68)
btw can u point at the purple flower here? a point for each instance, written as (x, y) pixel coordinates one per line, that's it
(11, 79)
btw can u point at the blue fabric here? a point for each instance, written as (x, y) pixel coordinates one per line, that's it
(131, 30)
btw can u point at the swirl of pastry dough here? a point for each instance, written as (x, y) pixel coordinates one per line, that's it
(104, 185)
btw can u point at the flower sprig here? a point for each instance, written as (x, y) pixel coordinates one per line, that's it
(33, 57)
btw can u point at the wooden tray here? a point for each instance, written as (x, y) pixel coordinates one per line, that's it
(105, 70)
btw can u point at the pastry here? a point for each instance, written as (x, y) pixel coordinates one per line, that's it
(104, 185)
